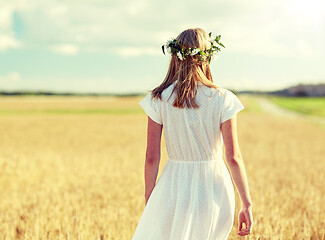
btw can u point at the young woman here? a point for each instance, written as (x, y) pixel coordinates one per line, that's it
(194, 198)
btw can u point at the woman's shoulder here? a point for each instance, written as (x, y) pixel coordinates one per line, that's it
(166, 93)
(220, 94)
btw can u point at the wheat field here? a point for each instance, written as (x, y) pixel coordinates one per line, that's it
(73, 168)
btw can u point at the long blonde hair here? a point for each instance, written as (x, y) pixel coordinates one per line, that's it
(189, 71)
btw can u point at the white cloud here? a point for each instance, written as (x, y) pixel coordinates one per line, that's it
(7, 39)
(58, 10)
(5, 21)
(7, 42)
(66, 49)
(270, 28)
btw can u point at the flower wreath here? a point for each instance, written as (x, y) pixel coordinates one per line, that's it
(173, 47)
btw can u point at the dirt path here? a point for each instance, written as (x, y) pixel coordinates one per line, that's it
(270, 107)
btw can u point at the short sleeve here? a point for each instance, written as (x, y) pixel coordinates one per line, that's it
(151, 108)
(231, 106)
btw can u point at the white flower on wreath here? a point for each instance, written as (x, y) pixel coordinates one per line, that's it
(194, 51)
(168, 49)
(179, 55)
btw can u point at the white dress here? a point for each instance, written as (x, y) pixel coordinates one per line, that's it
(194, 197)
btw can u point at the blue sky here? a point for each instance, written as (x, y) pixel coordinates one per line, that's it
(115, 46)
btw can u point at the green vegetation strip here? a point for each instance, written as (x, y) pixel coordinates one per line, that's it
(306, 105)
(70, 111)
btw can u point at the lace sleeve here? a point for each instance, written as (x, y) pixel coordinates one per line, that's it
(231, 106)
(151, 108)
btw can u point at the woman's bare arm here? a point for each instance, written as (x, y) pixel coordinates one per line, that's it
(238, 173)
(152, 156)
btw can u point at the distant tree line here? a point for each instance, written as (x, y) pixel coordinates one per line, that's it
(301, 90)
(47, 93)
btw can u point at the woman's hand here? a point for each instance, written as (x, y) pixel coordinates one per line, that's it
(245, 216)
